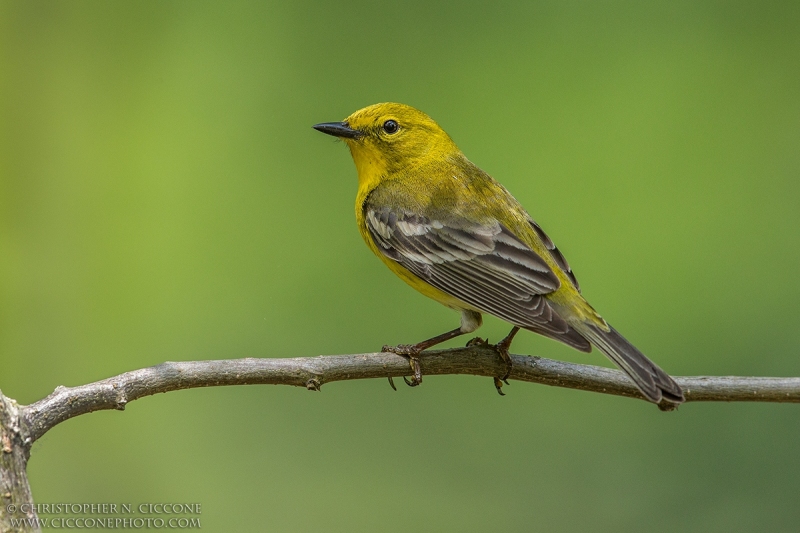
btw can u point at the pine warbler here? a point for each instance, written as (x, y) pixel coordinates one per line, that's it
(455, 234)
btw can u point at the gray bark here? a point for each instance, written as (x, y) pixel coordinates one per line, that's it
(15, 447)
(20, 426)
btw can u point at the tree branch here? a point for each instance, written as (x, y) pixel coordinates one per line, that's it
(15, 492)
(20, 426)
(312, 372)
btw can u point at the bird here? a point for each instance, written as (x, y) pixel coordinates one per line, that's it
(455, 234)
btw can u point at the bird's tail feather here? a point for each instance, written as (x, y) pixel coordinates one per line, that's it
(654, 383)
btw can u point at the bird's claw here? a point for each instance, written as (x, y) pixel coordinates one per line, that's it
(411, 382)
(498, 384)
(416, 379)
(407, 350)
(411, 352)
(477, 341)
(502, 349)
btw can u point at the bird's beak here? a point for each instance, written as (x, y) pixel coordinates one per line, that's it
(338, 129)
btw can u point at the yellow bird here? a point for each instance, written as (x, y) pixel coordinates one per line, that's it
(452, 232)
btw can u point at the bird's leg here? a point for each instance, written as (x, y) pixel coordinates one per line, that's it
(502, 349)
(470, 321)
(412, 351)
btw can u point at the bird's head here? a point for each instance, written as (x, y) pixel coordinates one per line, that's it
(387, 138)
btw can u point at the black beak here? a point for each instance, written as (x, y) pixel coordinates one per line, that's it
(338, 129)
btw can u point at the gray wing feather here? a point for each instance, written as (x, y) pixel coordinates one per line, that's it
(556, 253)
(485, 266)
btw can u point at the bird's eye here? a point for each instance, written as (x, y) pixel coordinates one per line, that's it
(390, 126)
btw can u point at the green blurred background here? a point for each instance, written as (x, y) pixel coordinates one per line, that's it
(163, 197)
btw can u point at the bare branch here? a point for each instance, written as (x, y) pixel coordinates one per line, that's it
(312, 372)
(20, 426)
(15, 492)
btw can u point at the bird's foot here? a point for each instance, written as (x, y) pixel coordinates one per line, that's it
(406, 350)
(477, 341)
(498, 382)
(411, 352)
(502, 349)
(499, 386)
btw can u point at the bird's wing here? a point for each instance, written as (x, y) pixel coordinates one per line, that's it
(556, 253)
(483, 265)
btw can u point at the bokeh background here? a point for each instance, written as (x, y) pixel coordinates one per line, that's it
(163, 197)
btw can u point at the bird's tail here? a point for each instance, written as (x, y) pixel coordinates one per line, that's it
(654, 383)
